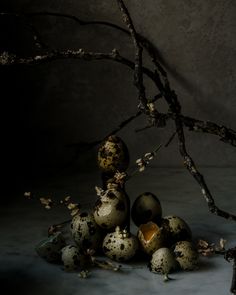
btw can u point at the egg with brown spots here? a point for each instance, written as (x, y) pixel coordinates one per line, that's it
(186, 255)
(85, 232)
(50, 248)
(120, 245)
(70, 257)
(111, 209)
(163, 261)
(113, 155)
(177, 228)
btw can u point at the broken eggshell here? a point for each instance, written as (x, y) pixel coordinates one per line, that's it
(163, 261)
(85, 232)
(113, 155)
(186, 255)
(120, 245)
(111, 209)
(70, 257)
(50, 248)
(151, 237)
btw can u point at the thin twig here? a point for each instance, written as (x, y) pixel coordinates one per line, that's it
(170, 139)
(138, 72)
(227, 135)
(86, 146)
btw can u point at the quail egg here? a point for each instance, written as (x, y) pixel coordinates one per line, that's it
(85, 231)
(111, 209)
(151, 237)
(163, 261)
(186, 255)
(113, 155)
(178, 229)
(70, 257)
(120, 245)
(146, 208)
(50, 248)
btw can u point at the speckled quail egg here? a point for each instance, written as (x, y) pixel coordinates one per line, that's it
(186, 255)
(85, 231)
(70, 257)
(120, 245)
(50, 248)
(146, 208)
(113, 155)
(163, 261)
(111, 209)
(178, 229)
(151, 237)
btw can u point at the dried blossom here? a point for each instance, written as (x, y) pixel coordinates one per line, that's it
(46, 202)
(207, 249)
(53, 229)
(66, 200)
(74, 208)
(145, 160)
(120, 177)
(99, 191)
(28, 195)
(223, 243)
(151, 107)
(84, 274)
(6, 58)
(204, 248)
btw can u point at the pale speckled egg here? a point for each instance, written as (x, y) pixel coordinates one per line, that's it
(120, 245)
(151, 237)
(85, 232)
(186, 255)
(178, 229)
(146, 208)
(50, 248)
(111, 209)
(163, 261)
(70, 257)
(113, 155)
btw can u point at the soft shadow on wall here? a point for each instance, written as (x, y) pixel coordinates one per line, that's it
(49, 106)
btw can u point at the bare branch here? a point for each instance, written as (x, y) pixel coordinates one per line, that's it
(161, 80)
(190, 165)
(138, 73)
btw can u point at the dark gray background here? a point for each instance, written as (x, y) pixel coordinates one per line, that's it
(52, 105)
(44, 108)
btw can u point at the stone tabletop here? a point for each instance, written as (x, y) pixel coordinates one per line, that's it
(24, 223)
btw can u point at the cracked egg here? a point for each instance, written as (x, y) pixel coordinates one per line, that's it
(151, 237)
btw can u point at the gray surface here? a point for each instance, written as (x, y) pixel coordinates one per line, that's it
(24, 224)
(69, 101)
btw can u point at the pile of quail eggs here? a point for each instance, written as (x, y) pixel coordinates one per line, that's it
(166, 241)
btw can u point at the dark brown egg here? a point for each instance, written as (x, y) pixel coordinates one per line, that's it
(146, 208)
(113, 155)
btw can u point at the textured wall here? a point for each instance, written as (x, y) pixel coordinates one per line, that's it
(67, 101)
